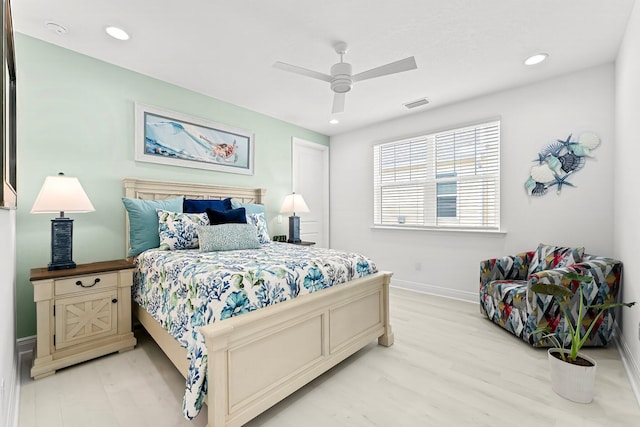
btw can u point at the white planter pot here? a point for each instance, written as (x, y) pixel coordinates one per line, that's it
(571, 381)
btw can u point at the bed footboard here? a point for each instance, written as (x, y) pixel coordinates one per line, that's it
(257, 359)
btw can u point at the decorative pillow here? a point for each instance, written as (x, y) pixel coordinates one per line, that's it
(228, 237)
(237, 216)
(549, 257)
(252, 208)
(260, 222)
(200, 205)
(178, 230)
(143, 221)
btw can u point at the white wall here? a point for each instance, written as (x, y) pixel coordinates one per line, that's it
(531, 117)
(626, 190)
(8, 362)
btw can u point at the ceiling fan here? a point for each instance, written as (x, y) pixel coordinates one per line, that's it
(342, 80)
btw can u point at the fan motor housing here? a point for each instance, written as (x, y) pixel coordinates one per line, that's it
(341, 73)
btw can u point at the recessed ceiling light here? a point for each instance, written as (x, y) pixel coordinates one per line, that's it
(117, 33)
(536, 59)
(334, 121)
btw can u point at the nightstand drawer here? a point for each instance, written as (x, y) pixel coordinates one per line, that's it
(85, 283)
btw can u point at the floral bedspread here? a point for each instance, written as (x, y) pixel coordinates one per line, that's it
(186, 289)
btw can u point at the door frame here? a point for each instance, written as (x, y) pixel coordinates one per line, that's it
(299, 142)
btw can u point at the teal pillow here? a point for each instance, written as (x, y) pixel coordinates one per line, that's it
(251, 208)
(227, 237)
(143, 221)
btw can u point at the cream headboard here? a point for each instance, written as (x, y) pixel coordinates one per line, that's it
(158, 190)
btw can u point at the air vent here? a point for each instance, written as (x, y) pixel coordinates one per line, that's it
(417, 103)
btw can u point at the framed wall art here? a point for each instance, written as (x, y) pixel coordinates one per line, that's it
(8, 195)
(177, 139)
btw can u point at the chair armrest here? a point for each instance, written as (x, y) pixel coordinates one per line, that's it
(513, 267)
(606, 274)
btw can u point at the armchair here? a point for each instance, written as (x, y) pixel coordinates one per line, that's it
(507, 300)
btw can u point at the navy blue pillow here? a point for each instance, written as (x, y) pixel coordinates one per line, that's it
(234, 216)
(200, 206)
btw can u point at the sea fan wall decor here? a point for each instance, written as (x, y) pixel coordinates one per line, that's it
(558, 161)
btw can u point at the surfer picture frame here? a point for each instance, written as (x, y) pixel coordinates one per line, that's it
(172, 138)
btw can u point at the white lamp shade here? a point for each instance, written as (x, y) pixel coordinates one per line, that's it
(62, 194)
(294, 203)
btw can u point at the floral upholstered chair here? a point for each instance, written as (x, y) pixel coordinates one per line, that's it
(506, 298)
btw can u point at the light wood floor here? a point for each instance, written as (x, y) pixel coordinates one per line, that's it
(449, 366)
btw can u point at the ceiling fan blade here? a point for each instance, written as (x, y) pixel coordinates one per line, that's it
(302, 71)
(338, 103)
(392, 68)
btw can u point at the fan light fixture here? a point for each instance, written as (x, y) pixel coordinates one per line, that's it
(536, 59)
(117, 33)
(341, 79)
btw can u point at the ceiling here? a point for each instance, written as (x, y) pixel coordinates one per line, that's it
(226, 48)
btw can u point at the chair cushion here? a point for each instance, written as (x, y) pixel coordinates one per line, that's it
(548, 257)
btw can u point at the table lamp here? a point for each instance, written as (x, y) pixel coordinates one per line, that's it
(294, 203)
(62, 194)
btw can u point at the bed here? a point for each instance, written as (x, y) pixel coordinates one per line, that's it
(296, 340)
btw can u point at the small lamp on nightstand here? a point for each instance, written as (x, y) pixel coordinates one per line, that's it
(294, 203)
(62, 194)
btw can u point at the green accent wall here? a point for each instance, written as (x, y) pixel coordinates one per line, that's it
(76, 115)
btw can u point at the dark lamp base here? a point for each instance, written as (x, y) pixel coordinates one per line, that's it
(61, 244)
(294, 229)
(60, 266)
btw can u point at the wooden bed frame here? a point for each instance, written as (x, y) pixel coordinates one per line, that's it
(257, 359)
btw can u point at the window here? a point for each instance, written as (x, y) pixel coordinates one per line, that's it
(447, 179)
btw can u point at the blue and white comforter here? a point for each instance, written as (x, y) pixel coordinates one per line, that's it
(186, 289)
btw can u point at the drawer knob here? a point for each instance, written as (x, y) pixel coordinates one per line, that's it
(95, 282)
(115, 300)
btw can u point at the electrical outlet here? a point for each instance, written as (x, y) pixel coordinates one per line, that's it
(418, 266)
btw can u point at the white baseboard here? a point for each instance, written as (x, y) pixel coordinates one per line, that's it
(25, 345)
(630, 364)
(436, 290)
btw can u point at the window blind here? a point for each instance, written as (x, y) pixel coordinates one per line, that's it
(448, 179)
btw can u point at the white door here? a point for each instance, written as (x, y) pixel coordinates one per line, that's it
(311, 180)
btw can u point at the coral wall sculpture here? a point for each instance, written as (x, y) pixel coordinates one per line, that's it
(558, 161)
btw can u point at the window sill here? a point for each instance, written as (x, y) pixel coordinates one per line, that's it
(438, 229)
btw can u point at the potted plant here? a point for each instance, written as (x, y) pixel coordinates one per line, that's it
(572, 373)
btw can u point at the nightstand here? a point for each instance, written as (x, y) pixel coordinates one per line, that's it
(82, 313)
(302, 243)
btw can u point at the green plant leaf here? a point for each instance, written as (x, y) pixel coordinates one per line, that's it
(554, 290)
(611, 305)
(563, 295)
